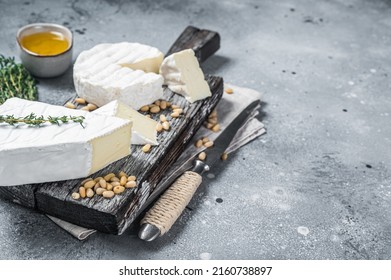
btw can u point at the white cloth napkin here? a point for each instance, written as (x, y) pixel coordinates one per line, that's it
(228, 108)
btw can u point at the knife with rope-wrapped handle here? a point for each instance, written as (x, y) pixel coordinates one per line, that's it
(160, 218)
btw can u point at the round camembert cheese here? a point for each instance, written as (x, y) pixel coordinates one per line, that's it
(123, 71)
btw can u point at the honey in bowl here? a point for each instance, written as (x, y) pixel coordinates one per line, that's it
(45, 43)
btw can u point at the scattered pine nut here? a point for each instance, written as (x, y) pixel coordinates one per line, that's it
(130, 184)
(109, 176)
(132, 178)
(205, 139)
(148, 116)
(89, 184)
(212, 120)
(213, 114)
(208, 144)
(82, 192)
(173, 106)
(114, 184)
(209, 125)
(162, 118)
(229, 90)
(163, 104)
(144, 108)
(166, 125)
(108, 194)
(70, 105)
(159, 127)
(100, 191)
(123, 181)
(90, 193)
(114, 179)
(121, 173)
(92, 107)
(85, 181)
(98, 179)
(119, 189)
(80, 100)
(202, 156)
(146, 148)
(109, 187)
(199, 143)
(85, 108)
(224, 156)
(175, 115)
(103, 183)
(216, 128)
(97, 186)
(179, 110)
(75, 195)
(168, 104)
(155, 109)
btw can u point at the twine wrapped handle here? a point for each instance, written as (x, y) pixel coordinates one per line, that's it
(172, 203)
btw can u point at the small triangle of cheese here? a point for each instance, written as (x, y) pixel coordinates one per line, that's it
(52, 152)
(182, 74)
(143, 129)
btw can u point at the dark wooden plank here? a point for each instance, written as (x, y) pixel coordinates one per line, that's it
(114, 215)
(23, 195)
(204, 42)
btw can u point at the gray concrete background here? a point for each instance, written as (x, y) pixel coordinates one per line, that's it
(317, 186)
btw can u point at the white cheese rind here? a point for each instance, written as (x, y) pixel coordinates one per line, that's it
(53, 153)
(143, 129)
(182, 74)
(121, 71)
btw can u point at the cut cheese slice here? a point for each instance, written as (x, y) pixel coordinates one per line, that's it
(122, 71)
(143, 130)
(52, 153)
(182, 74)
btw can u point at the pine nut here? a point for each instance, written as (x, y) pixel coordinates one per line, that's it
(121, 173)
(159, 127)
(213, 114)
(212, 120)
(109, 176)
(132, 178)
(123, 180)
(155, 109)
(85, 108)
(118, 189)
(202, 156)
(168, 104)
(144, 108)
(205, 139)
(224, 156)
(157, 102)
(163, 104)
(98, 179)
(179, 110)
(209, 125)
(114, 179)
(103, 183)
(130, 184)
(80, 100)
(162, 118)
(166, 126)
(70, 105)
(75, 195)
(173, 106)
(148, 116)
(114, 184)
(109, 187)
(97, 186)
(229, 90)
(208, 144)
(90, 193)
(92, 107)
(216, 128)
(89, 184)
(82, 192)
(108, 194)
(100, 191)
(85, 181)
(199, 143)
(146, 148)
(175, 115)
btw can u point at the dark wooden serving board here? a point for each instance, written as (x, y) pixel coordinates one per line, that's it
(116, 214)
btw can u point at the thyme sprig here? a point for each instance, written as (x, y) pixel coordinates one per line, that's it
(15, 81)
(34, 120)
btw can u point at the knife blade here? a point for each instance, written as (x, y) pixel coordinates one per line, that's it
(160, 218)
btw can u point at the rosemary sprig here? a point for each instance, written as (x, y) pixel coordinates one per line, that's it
(34, 120)
(15, 81)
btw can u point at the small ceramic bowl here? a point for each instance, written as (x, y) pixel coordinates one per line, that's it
(45, 66)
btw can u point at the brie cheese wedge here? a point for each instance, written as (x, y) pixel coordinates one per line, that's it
(182, 74)
(52, 152)
(143, 129)
(122, 71)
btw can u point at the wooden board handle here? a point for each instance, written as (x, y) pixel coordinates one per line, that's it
(203, 42)
(172, 203)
